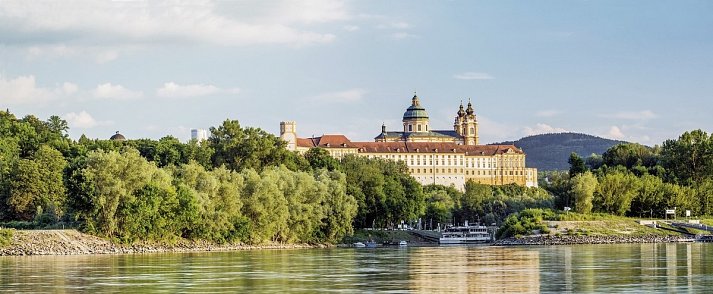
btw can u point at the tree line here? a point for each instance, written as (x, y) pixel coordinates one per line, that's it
(635, 180)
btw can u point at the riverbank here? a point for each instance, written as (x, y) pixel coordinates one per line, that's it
(72, 242)
(574, 240)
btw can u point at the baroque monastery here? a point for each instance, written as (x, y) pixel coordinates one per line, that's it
(444, 157)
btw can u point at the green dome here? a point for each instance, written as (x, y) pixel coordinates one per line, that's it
(415, 110)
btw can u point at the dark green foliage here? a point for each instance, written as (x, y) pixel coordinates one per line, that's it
(690, 158)
(319, 158)
(242, 148)
(491, 204)
(385, 193)
(576, 165)
(525, 222)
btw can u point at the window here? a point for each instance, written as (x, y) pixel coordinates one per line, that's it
(472, 131)
(419, 128)
(410, 128)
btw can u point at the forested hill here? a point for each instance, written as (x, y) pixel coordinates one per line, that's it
(551, 151)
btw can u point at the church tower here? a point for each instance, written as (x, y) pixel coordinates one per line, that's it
(466, 125)
(288, 133)
(415, 118)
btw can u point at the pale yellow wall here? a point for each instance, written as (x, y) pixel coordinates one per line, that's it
(451, 168)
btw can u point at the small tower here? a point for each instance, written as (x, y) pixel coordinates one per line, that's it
(288, 133)
(470, 126)
(458, 123)
(415, 118)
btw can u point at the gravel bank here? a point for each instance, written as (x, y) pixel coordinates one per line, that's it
(569, 240)
(72, 242)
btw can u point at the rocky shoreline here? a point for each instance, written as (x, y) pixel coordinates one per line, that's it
(72, 242)
(574, 240)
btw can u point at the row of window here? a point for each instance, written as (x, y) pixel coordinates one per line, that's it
(457, 160)
(471, 172)
(418, 127)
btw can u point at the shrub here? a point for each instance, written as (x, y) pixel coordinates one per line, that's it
(5, 237)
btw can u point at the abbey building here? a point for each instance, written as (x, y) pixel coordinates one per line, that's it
(445, 157)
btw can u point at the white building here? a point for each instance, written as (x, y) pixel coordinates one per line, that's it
(199, 134)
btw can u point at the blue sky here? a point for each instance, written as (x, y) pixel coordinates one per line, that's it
(640, 71)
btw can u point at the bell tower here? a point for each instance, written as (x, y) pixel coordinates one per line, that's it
(288, 133)
(470, 126)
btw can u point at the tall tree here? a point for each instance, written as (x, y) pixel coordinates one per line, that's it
(583, 187)
(690, 158)
(576, 165)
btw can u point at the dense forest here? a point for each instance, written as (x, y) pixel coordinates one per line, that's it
(548, 152)
(242, 185)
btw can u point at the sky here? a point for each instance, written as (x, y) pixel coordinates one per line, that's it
(640, 71)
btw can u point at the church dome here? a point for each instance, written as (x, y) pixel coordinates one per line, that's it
(415, 110)
(117, 137)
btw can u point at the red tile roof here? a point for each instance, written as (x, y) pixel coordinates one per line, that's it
(428, 147)
(331, 141)
(340, 141)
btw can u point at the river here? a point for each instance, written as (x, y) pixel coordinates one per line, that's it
(578, 268)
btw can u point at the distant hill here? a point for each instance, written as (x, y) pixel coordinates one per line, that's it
(551, 151)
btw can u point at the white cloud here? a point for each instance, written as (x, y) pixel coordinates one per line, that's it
(24, 90)
(633, 115)
(547, 113)
(473, 76)
(82, 120)
(615, 133)
(118, 92)
(69, 88)
(541, 128)
(99, 54)
(231, 23)
(172, 89)
(347, 96)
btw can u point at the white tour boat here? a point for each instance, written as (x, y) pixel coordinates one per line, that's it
(465, 234)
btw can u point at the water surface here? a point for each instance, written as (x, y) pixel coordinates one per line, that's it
(579, 268)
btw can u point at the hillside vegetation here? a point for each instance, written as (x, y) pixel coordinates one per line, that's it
(550, 151)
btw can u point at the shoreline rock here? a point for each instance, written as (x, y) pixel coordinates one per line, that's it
(583, 240)
(72, 242)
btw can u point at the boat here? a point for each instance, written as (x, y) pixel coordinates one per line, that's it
(466, 234)
(370, 244)
(403, 244)
(359, 245)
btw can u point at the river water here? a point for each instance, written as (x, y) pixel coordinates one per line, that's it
(580, 268)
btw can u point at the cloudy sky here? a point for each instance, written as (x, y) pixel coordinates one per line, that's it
(634, 70)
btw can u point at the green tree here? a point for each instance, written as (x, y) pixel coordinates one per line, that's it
(576, 165)
(583, 187)
(690, 158)
(320, 158)
(239, 148)
(615, 192)
(37, 185)
(339, 207)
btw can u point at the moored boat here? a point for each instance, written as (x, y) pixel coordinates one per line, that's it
(466, 234)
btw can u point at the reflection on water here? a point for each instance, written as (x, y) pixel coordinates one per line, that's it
(583, 268)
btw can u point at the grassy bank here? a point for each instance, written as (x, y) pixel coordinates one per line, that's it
(555, 223)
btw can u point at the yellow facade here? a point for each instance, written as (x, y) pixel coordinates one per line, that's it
(444, 157)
